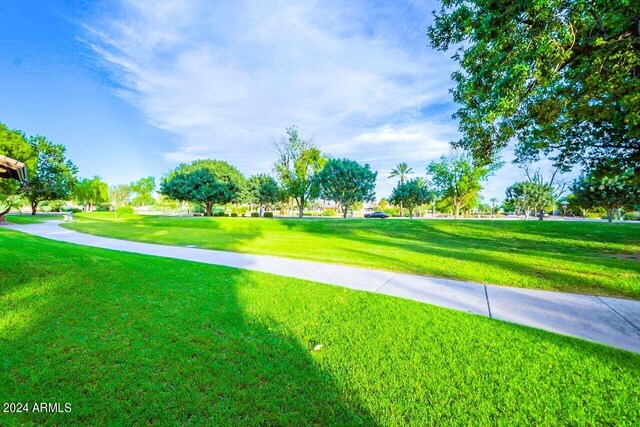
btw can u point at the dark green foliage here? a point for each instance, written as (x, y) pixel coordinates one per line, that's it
(255, 215)
(268, 215)
(205, 182)
(560, 76)
(262, 190)
(411, 194)
(609, 189)
(346, 182)
(52, 176)
(529, 196)
(234, 214)
(13, 144)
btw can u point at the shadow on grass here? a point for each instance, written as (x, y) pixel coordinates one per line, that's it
(127, 338)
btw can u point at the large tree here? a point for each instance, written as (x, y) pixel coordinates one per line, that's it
(13, 144)
(204, 182)
(91, 192)
(298, 162)
(562, 77)
(411, 194)
(347, 182)
(529, 196)
(52, 177)
(263, 190)
(609, 189)
(458, 179)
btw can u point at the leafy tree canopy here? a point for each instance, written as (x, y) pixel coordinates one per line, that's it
(91, 192)
(205, 182)
(13, 144)
(52, 176)
(298, 162)
(119, 196)
(562, 77)
(263, 190)
(411, 194)
(347, 182)
(458, 179)
(529, 196)
(143, 189)
(606, 188)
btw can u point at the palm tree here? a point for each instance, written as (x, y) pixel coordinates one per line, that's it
(402, 170)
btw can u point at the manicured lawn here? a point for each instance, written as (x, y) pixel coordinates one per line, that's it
(586, 257)
(30, 219)
(129, 338)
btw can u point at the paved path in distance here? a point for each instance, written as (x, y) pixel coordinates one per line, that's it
(611, 321)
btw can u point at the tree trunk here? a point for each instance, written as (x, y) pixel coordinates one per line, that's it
(3, 216)
(610, 215)
(456, 212)
(34, 207)
(345, 210)
(410, 213)
(401, 210)
(208, 209)
(541, 215)
(301, 209)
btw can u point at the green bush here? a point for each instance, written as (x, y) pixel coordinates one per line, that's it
(44, 208)
(219, 213)
(124, 210)
(74, 210)
(329, 212)
(268, 215)
(234, 215)
(255, 214)
(631, 216)
(392, 212)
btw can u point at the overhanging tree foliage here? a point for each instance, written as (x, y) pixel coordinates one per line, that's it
(347, 182)
(411, 194)
(52, 176)
(458, 180)
(205, 182)
(298, 162)
(560, 76)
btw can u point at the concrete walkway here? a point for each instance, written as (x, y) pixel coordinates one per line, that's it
(611, 321)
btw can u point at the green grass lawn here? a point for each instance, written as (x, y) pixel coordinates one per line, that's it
(586, 257)
(129, 338)
(31, 219)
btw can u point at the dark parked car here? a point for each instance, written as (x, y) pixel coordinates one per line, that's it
(376, 214)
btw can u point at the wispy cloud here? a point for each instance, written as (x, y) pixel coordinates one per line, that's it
(229, 77)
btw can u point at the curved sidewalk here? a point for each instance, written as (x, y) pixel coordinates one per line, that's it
(611, 321)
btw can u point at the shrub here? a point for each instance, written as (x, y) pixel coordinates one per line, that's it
(392, 212)
(268, 215)
(632, 216)
(255, 214)
(124, 210)
(44, 208)
(234, 215)
(74, 210)
(219, 213)
(329, 212)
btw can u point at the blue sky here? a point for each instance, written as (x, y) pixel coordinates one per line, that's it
(133, 88)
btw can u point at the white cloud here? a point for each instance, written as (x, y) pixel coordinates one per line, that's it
(228, 78)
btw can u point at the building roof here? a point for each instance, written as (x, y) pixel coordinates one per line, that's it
(10, 168)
